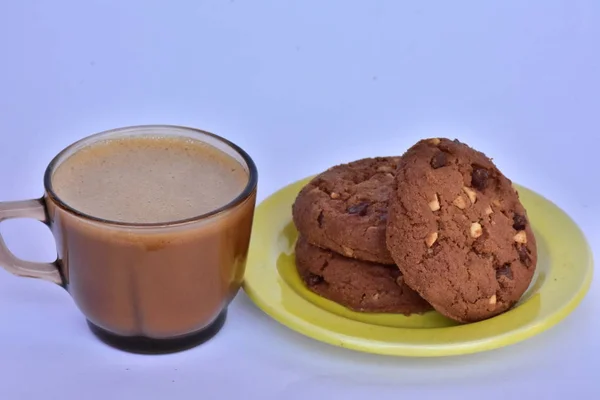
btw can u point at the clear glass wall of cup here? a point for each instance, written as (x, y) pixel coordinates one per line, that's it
(148, 288)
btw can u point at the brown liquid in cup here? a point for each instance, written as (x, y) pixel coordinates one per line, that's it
(153, 281)
(148, 179)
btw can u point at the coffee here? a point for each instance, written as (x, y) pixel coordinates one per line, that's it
(153, 280)
(148, 179)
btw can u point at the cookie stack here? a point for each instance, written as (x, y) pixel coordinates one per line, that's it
(440, 227)
(341, 253)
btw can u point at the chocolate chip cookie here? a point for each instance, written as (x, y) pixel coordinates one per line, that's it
(358, 285)
(458, 231)
(344, 209)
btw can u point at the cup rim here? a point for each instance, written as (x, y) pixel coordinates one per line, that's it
(240, 198)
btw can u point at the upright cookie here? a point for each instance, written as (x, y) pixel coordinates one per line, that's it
(357, 285)
(344, 209)
(458, 231)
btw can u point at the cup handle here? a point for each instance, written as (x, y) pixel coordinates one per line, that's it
(35, 209)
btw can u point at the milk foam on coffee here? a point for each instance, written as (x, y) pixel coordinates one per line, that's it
(148, 179)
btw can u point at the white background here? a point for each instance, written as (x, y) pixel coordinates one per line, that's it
(301, 85)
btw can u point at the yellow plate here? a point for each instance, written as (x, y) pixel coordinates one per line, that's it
(563, 277)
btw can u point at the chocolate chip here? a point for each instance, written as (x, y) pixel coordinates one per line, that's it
(479, 247)
(381, 213)
(456, 141)
(439, 160)
(313, 279)
(519, 222)
(524, 255)
(360, 209)
(395, 272)
(504, 271)
(435, 249)
(479, 178)
(320, 219)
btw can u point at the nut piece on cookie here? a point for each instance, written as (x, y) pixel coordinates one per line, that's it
(476, 230)
(460, 202)
(434, 141)
(347, 251)
(334, 195)
(488, 210)
(521, 237)
(431, 239)
(471, 193)
(434, 204)
(492, 299)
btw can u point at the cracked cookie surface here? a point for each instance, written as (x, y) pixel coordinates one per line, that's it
(358, 285)
(345, 208)
(458, 231)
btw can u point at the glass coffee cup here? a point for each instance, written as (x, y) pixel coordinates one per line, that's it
(156, 274)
